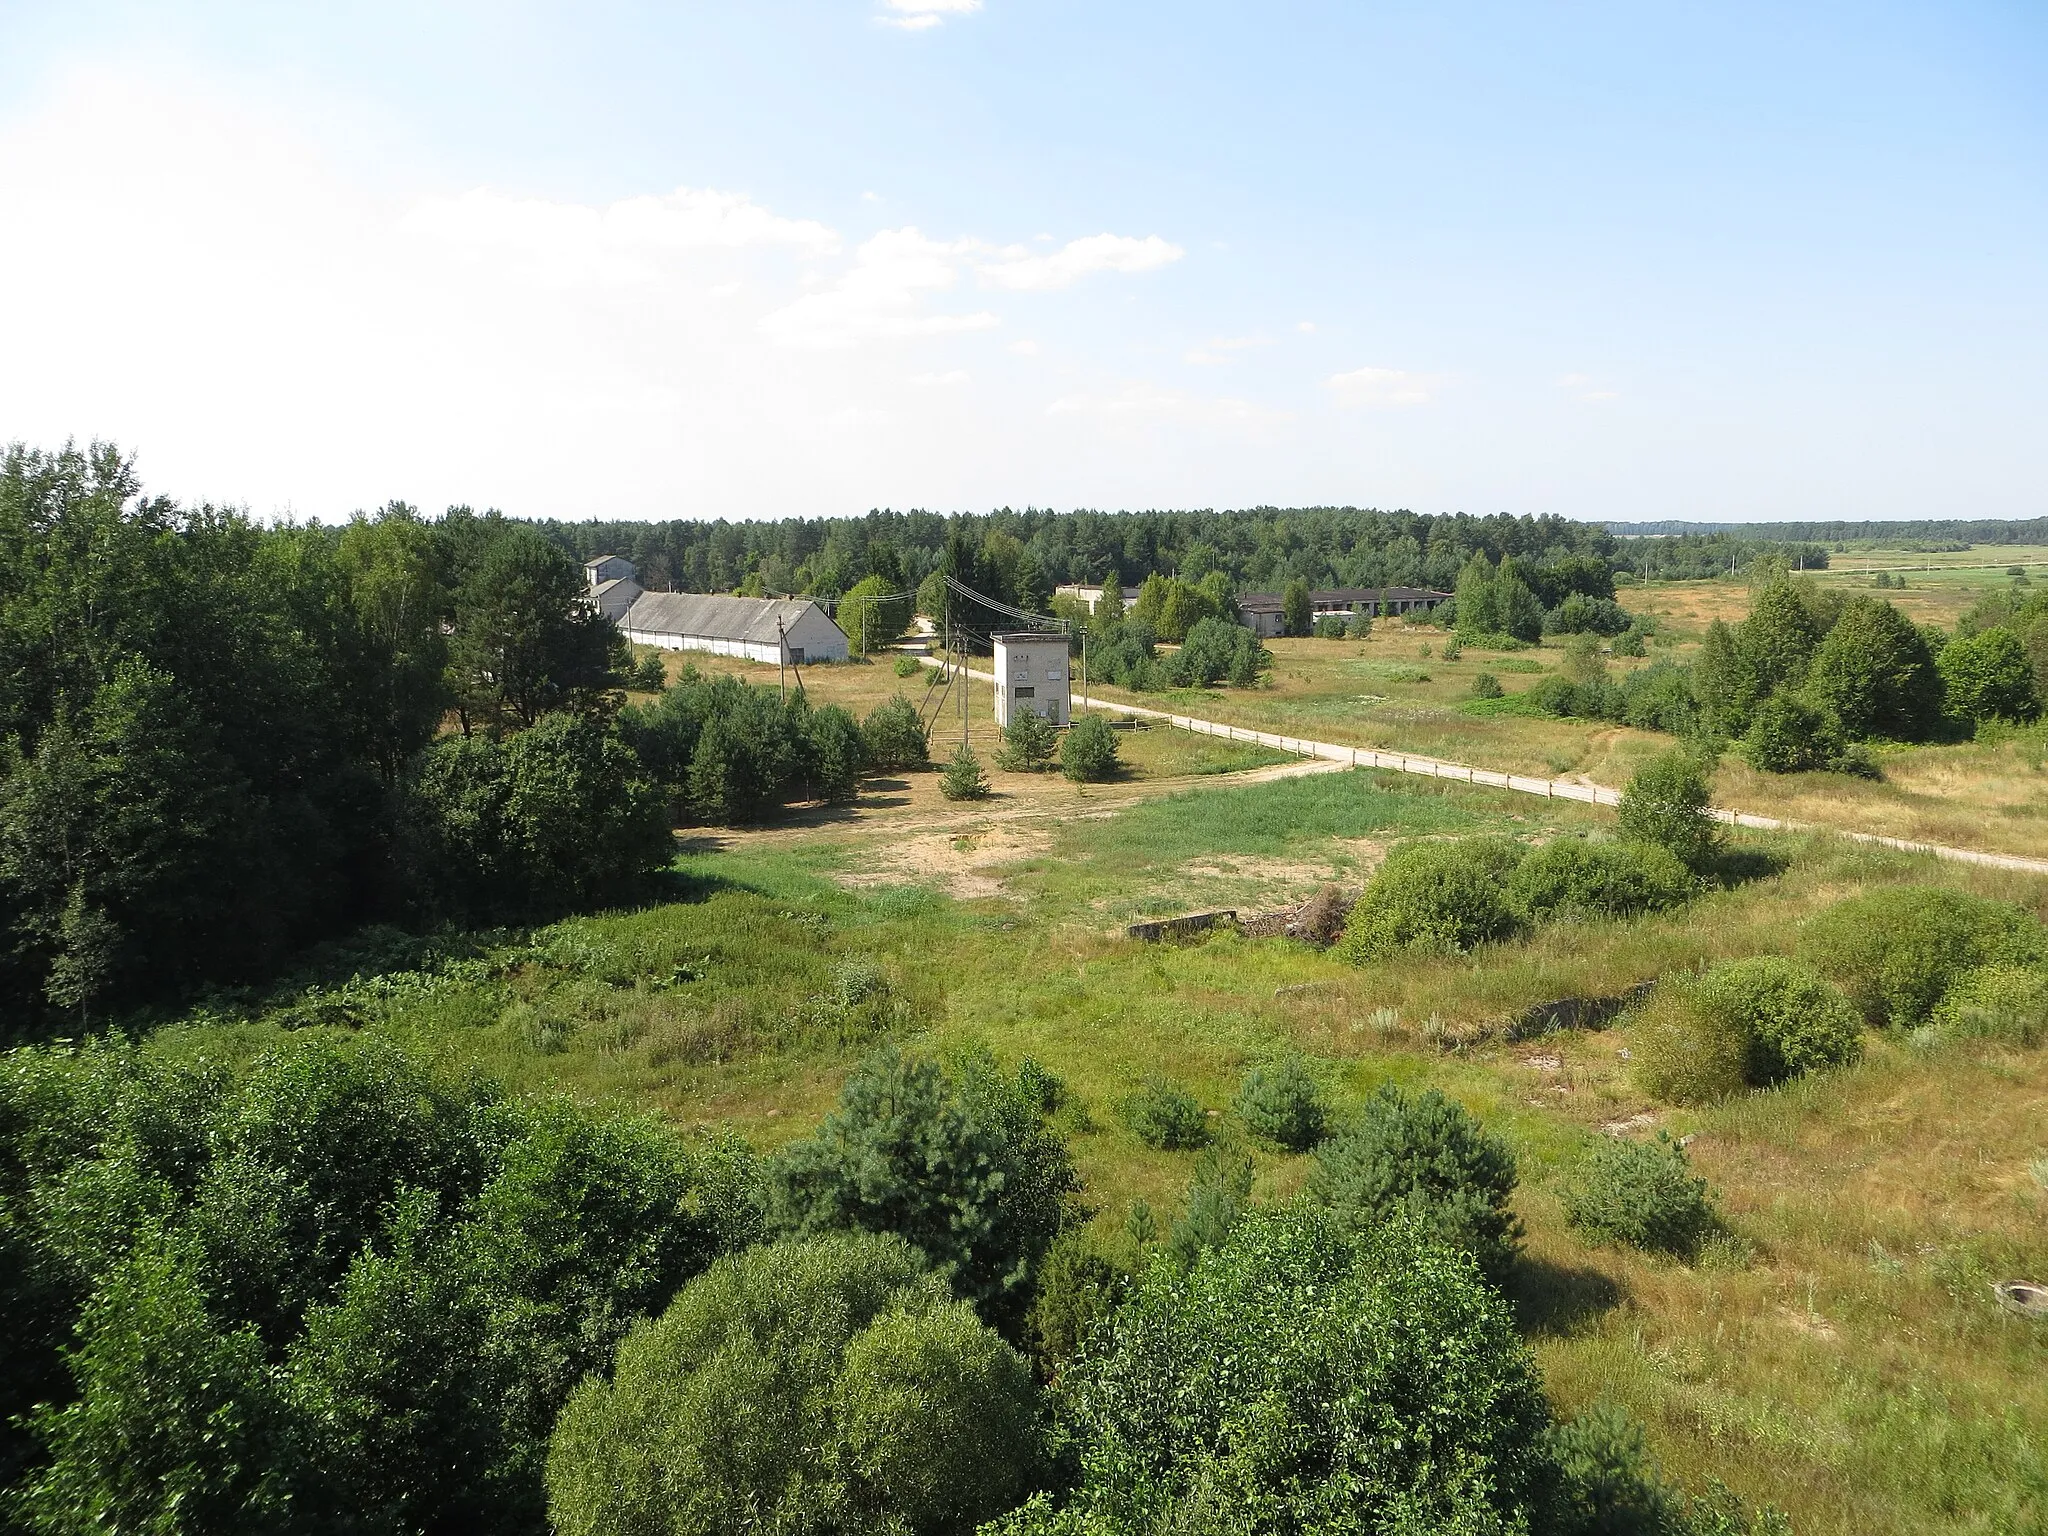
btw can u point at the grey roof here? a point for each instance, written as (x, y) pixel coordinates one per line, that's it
(616, 581)
(1263, 601)
(600, 560)
(751, 619)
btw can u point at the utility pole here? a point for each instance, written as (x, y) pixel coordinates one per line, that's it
(781, 656)
(1084, 666)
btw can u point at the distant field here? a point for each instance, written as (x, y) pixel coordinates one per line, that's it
(1843, 1360)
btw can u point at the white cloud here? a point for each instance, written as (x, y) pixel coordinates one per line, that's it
(917, 15)
(633, 241)
(1025, 348)
(1016, 268)
(877, 299)
(1142, 402)
(1306, 327)
(1581, 385)
(1216, 348)
(951, 378)
(1382, 387)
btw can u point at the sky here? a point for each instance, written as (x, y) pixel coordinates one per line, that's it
(1738, 262)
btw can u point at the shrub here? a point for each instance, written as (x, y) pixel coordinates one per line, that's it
(962, 1167)
(1486, 686)
(1029, 742)
(1422, 1158)
(2008, 1003)
(1630, 643)
(1571, 875)
(1684, 1054)
(1078, 1287)
(1324, 1382)
(1665, 804)
(1605, 1480)
(1795, 1021)
(1896, 951)
(1788, 735)
(839, 753)
(1165, 1115)
(1216, 650)
(649, 675)
(1281, 1103)
(1217, 1198)
(1452, 650)
(1088, 754)
(1988, 676)
(873, 615)
(819, 1387)
(1434, 896)
(895, 736)
(907, 666)
(1642, 1194)
(963, 778)
(1329, 626)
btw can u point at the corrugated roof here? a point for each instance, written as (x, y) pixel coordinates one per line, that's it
(751, 619)
(605, 586)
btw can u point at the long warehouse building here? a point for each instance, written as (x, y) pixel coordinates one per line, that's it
(768, 629)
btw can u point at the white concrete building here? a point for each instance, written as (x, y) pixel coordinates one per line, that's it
(1091, 595)
(607, 568)
(1032, 673)
(769, 629)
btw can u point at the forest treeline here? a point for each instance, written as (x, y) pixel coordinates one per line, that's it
(220, 741)
(1021, 556)
(1954, 532)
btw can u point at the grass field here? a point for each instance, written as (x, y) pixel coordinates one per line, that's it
(1841, 1357)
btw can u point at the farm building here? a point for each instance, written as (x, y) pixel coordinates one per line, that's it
(1032, 674)
(1091, 595)
(769, 629)
(1263, 611)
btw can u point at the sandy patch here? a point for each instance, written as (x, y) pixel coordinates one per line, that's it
(961, 862)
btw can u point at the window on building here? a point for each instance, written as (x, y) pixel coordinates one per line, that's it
(1027, 693)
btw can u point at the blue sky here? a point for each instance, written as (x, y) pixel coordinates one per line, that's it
(1728, 262)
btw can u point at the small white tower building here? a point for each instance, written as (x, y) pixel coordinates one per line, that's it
(1031, 673)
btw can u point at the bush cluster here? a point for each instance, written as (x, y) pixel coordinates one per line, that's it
(1088, 752)
(1895, 952)
(1743, 1023)
(1164, 1115)
(1422, 1158)
(1571, 875)
(1641, 1194)
(1281, 1103)
(2007, 1003)
(819, 1386)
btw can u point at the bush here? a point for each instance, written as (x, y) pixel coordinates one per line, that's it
(817, 1387)
(1896, 951)
(1218, 1196)
(1281, 1103)
(1666, 804)
(1606, 1483)
(1029, 742)
(1329, 626)
(1788, 735)
(2008, 1003)
(1988, 676)
(963, 778)
(1420, 1157)
(1078, 1287)
(649, 675)
(1685, 1054)
(1641, 1194)
(1486, 686)
(961, 1166)
(873, 615)
(1324, 1382)
(1088, 754)
(907, 666)
(839, 754)
(1794, 1020)
(1630, 643)
(1166, 1116)
(895, 736)
(557, 817)
(1570, 875)
(1434, 896)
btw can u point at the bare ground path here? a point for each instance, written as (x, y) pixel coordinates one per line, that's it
(1557, 789)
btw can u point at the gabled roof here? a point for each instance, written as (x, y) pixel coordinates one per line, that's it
(598, 560)
(752, 619)
(616, 581)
